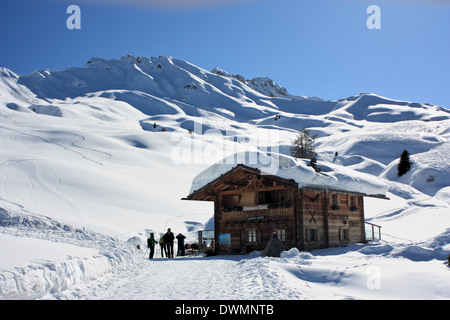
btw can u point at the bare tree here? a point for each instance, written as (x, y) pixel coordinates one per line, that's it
(304, 145)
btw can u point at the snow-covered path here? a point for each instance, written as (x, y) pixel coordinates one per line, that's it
(187, 278)
(347, 273)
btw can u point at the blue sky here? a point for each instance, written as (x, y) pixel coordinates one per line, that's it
(311, 47)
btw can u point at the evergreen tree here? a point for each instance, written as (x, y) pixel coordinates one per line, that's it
(404, 164)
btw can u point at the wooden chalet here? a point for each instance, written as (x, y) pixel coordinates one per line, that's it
(250, 207)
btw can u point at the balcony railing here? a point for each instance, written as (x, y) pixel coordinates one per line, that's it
(373, 231)
(257, 211)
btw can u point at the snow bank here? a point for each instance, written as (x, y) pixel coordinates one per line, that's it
(331, 176)
(18, 251)
(295, 255)
(414, 252)
(377, 270)
(42, 276)
(41, 257)
(443, 194)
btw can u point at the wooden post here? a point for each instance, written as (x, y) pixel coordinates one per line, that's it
(298, 214)
(325, 221)
(217, 219)
(360, 204)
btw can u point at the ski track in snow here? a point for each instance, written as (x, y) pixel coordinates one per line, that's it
(61, 143)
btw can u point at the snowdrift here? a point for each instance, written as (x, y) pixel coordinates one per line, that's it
(40, 256)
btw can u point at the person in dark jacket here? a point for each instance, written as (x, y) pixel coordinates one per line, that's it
(161, 244)
(180, 237)
(168, 242)
(151, 244)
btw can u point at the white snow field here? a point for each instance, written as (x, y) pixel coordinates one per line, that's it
(94, 158)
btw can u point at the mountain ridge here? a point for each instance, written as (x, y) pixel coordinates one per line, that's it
(166, 77)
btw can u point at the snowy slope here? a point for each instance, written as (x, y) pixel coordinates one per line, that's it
(95, 155)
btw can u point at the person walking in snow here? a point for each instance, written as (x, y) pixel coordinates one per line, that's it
(162, 245)
(151, 244)
(168, 242)
(180, 238)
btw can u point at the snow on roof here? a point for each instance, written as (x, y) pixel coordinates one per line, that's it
(331, 176)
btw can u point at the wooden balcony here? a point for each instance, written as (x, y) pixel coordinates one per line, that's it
(261, 211)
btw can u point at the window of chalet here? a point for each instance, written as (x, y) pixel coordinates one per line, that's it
(352, 201)
(281, 234)
(334, 199)
(251, 236)
(344, 235)
(268, 197)
(313, 235)
(231, 199)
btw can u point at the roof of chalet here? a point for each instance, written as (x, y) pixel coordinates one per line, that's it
(239, 176)
(237, 171)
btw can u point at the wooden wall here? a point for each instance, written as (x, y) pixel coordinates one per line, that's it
(331, 219)
(307, 219)
(250, 224)
(314, 217)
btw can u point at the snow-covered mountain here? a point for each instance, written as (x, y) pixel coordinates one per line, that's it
(110, 148)
(263, 85)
